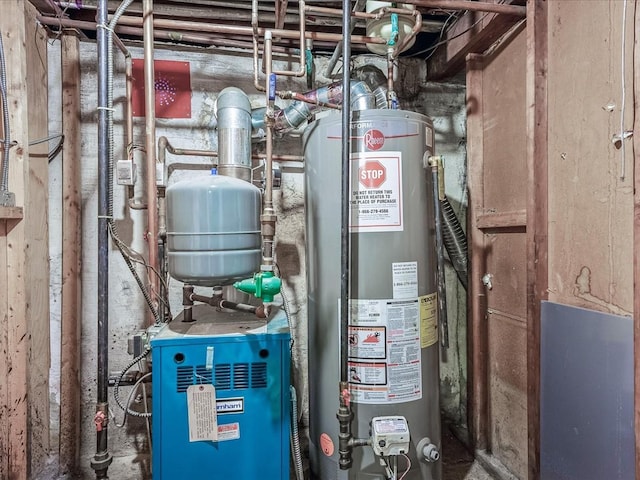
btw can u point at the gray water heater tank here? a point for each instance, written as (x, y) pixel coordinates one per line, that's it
(213, 230)
(393, 331)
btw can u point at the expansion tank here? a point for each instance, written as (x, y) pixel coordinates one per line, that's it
(393, 333)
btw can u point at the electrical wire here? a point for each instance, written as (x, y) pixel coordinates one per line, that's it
(442, 42)
(4, 172)
(129, 398)
(116, 388)
(408, 466)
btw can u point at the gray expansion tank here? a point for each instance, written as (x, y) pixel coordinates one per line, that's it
(213, 230)
(393, 333)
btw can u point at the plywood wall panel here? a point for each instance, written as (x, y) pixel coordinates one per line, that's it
(505, 175)
(590, 206)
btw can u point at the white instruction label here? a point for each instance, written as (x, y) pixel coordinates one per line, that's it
(229, 431)
(405, 279)
(384, 351)
(376, 192)
(201, 409)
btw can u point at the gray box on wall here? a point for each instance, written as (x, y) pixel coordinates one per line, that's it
(586, 395)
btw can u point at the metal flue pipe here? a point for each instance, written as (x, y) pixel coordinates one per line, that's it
(102, 458)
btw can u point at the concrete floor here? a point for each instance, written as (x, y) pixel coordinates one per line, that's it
(457, 462)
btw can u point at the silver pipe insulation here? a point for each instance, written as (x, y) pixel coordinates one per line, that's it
(233, 111)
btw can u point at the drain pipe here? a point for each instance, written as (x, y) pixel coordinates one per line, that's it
(345, 414)
(102, 458)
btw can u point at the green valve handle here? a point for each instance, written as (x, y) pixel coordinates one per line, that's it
(263, 285)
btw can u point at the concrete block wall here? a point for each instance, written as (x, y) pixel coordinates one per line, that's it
(210, 73)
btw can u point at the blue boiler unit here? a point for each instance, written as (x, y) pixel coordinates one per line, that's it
(248, 362)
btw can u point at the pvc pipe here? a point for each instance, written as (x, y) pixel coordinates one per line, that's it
(150, 142)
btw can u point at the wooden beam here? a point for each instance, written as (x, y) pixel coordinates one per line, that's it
(14, 338)
(37, 241)
(477, 304)
(281, 12)
(502, 220)
(474, 32)
(537, 215)
(71, 305)
(47, 7)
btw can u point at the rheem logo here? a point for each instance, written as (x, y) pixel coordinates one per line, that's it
(372, 174)
(374, 139)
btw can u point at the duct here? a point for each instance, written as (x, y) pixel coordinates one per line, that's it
(375, 79)
(234, 133)
(102, 458)
(455, 241)
(300, 111)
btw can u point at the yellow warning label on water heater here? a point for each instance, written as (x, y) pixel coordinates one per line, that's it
(428, 320)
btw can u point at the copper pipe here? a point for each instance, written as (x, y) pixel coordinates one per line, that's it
(303, 57)
(247, 31)
(268, 217)
(414, 31)
(150, 143)
(474, 6)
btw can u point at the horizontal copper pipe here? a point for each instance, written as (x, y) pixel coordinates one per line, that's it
(246, 31)
(474, 6)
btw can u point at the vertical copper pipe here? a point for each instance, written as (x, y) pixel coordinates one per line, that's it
(268, 218)
(303, 57)
(150, 143)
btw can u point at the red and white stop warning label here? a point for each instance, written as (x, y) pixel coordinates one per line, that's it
(376, 192)
(372, 174)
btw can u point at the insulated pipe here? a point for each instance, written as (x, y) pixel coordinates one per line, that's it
(150, 142)
(102, 458)
(345, 414)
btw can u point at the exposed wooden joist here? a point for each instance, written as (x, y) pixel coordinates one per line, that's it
(36, 226)
(14, 338)
(474, 32)
(477, 340)
(281, 12)
(46, 7)
(502, 220)
(537, 215)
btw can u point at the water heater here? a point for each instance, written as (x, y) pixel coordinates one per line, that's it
(393, 333)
